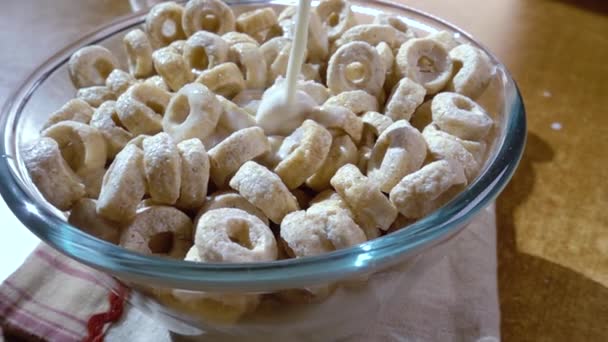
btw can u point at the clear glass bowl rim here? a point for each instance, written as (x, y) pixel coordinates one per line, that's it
(372, 255)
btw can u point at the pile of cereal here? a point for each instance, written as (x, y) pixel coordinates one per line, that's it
(169, 158)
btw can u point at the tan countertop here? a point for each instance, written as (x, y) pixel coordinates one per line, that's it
(552, 218)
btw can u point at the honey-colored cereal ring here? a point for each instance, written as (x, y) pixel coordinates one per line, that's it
(314, 233)
(195, 174)
(164, 24)
(139, 53)
(224, 79)
(233, 117)
(204, 50)
(52, 176)
(84, 216)
(208, 15)
(371, 34)
(82, 146)
(234, 151)
(95, 95)
(159, 230)
(371, 208)
(376, 122)
(124, 185)
(91, 65)
(119, 81)
(230, 199)
(404, 100)
(163, 168)
(318, 43)
(339, 118)
(460, 116)
(73, 110)
(356, 66)
(365, 153)
(271, 49)
(337, 17)
(172, 67)
(105, 120)
(387, 56)
(193, 112)
(403, 34)
(445, 38)
(271, 158)
(157, 81)
(421, 192)
(256, 21)
(141, 107)
(475, 71)
(92, 180)
(178, 46)
(426, 62)
(233, 235)
(399, 150)
(357, 101)
(233, 38)
(303, 153)
(315, 90)
(265, 190)
(343, 151)
(250, 60)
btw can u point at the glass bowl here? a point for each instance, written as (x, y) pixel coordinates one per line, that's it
(316, 298)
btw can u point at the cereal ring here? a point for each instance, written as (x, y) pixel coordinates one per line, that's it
(233, 235)
(401, 222)
(445, 38)
(446, 146)
(339, 118)
(172, 67)
(337, 17)
(274, 116)
(249, 100)
(225, 79)
(403, 34)
(473, 71)
(386, 56)
(371, 208)
(273, 47)
(73, 110)
(193, 112)
(159, 230)
(106, 120)
(354, 66)
(124, 185)
(204, 50)
(328, 199)
(265, 190)
(460, 116)
(376, 122)
(195, 174)
(82, 146)
(91, 65)
(311, 72)
(84, 216)
(141, 107)
(208, 15)
(164, 24)
(423, 191)
(404, 100)
(139, 53)
(238, 148)
(343, 151)
(303, 153)
(138, 140)
(315, 90)
(399, 150)
(92, 180)
(371, 34)
(95, 95)
(248, 57)
(163, 168)
(157, 81)
(233, 117)
(358, 101)
(52, 176)
(178, 46)
(233, 38)
(365, 153)
(271, 158)
(318, 43)
(423, 116)
(230, 199)
(312, 233)
(119, 81)
(256, 21)
(426, 62)
(279, 65)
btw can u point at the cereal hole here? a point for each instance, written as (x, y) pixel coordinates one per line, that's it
(198, 58)
(457, 66)
(180, 108)
(378, 153)
(238, 233)
(210, 22)
(158, 108)
(426, 65)
(462, 103)
(161, 243)
(117, 121)
(334, 19)
(169, 28)
(356, 72)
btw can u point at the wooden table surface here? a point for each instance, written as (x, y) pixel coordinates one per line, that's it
(552, 218)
